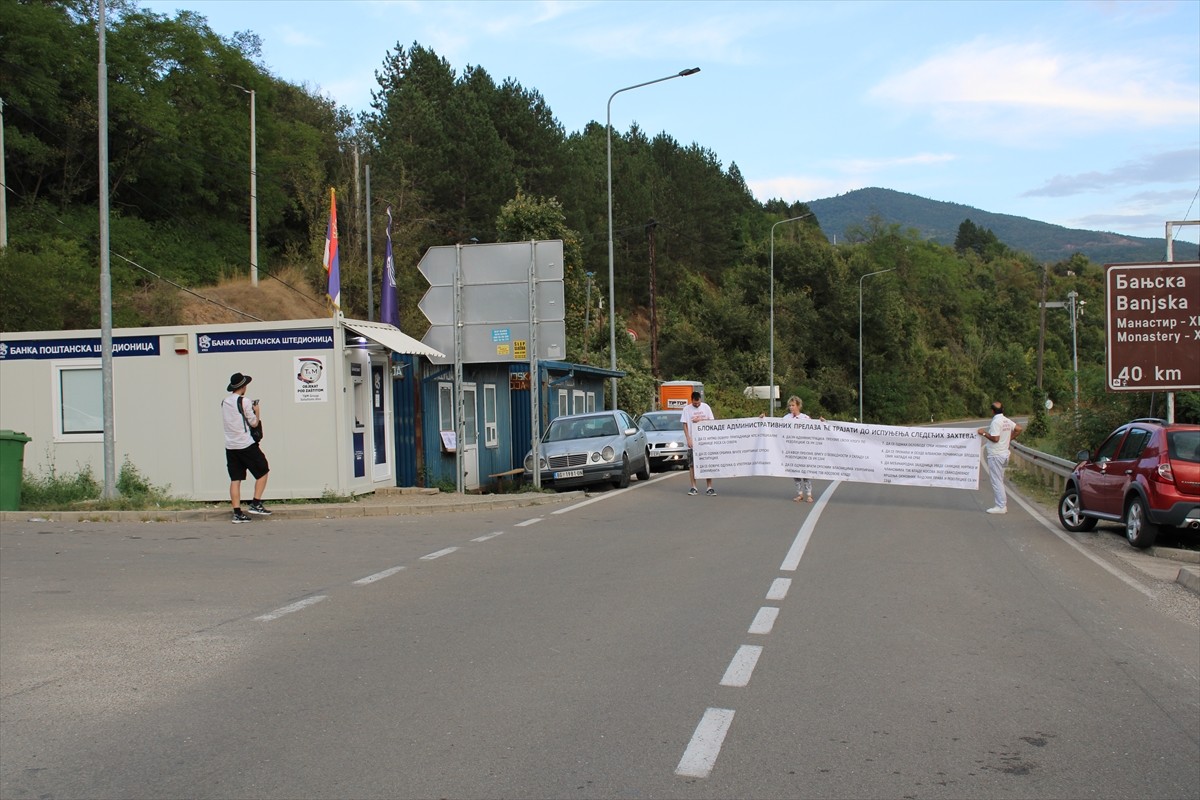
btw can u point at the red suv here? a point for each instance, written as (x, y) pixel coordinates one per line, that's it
(1145, 475)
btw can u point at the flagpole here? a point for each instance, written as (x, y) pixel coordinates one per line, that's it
(370, 263)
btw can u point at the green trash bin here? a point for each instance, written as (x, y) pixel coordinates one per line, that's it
(12, 469)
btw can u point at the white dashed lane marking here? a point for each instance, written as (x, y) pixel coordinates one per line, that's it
(528, 522)
(742, 666)
(779, 588)
(438, 554)
(279, 612)
(487, 536)
(378, 576)
(701, 753)
(764, 620)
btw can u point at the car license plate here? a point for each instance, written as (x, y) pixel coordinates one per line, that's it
(570, 473)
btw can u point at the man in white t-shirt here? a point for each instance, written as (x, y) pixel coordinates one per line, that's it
(999, 433)
(242, 452)
(696, 411)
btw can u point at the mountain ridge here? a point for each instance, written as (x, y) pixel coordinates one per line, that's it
(939, 220)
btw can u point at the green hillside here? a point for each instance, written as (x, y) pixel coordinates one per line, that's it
(938, 221)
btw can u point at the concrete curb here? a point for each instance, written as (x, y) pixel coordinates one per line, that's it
(423, 504)
(1189, 578)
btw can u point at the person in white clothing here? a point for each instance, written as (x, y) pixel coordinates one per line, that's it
(696, 411)
(239, 416)
(998, 434)
(803, 485)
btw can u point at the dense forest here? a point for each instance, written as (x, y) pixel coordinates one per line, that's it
(461, 157)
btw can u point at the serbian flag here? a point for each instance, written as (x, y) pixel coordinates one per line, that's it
(388, 310)
(331, 255)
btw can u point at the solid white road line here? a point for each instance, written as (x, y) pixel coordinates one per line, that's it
(444, 552)
(742, 666)
(279, 612)
(487, 536)
(764, 620)
(611, 493)
(378, 576)
(779, 588)
(797, 551)
(528, 522)
(1061, 534)
(701, 753)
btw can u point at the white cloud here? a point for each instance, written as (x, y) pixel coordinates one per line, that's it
(803, 188)
(1013, 91)
(295, 38)
(860, 166)
(846, 176)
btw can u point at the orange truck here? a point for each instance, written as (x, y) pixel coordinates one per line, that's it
(674, 395)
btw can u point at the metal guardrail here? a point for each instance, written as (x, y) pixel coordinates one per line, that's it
(1052, 470)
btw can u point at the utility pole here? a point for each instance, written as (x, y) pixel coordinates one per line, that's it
(3, 185)
(650, 228)
(1042, 328)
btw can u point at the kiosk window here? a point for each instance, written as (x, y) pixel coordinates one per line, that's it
(79, 397)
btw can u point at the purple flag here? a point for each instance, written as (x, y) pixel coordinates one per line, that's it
(389, 311)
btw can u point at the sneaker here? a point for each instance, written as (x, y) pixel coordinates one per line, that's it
(997, 510)
(692, 491)
(711, 492)
(256, 507)
(239, 517)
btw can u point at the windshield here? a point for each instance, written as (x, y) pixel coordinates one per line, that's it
(661, 422)
(566, 429)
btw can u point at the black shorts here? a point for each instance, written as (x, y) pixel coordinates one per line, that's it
(248, 458)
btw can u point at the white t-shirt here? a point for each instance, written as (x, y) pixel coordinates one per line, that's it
(1002, 428)
(237, 429)
(692, 414)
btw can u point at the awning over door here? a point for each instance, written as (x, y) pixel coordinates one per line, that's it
(391, 337)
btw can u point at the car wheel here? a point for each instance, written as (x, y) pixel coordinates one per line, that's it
(1070, 512)
(644, 472)
(1139, 530)
(626, 474)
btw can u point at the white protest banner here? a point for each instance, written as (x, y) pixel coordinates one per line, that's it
(808, 448)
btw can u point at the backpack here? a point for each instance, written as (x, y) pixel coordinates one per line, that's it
(256, 433)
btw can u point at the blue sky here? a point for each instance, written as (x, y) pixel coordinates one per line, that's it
(1084, 114)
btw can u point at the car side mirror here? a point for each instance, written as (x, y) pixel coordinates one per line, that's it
(630, 431)
(1082, 455)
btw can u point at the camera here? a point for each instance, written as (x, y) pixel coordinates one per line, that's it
(254, 403)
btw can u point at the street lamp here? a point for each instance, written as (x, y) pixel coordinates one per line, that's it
(253, 192)
(771, 383)
(1076, 309)
(612, 312)
(860, 338)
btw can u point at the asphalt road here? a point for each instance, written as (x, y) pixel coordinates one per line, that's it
(885, 642)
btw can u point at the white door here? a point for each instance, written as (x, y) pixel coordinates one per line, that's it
(470, 445)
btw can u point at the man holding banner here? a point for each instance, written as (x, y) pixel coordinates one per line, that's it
(695, 412)
(999, 433)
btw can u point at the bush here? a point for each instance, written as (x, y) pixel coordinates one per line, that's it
(56, 491)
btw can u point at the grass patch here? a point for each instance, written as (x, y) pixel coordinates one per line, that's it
(82, 492)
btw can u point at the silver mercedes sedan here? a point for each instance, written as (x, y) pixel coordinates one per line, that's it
(583, 449)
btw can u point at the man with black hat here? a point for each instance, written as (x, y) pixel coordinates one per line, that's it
(242, 452)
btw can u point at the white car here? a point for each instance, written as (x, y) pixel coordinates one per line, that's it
(666, 439)
(602, 447)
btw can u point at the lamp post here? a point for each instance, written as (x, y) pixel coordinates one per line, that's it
(253, 192)
(771, 381)
(612, 312)
(860, 338)
(1075, 306)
